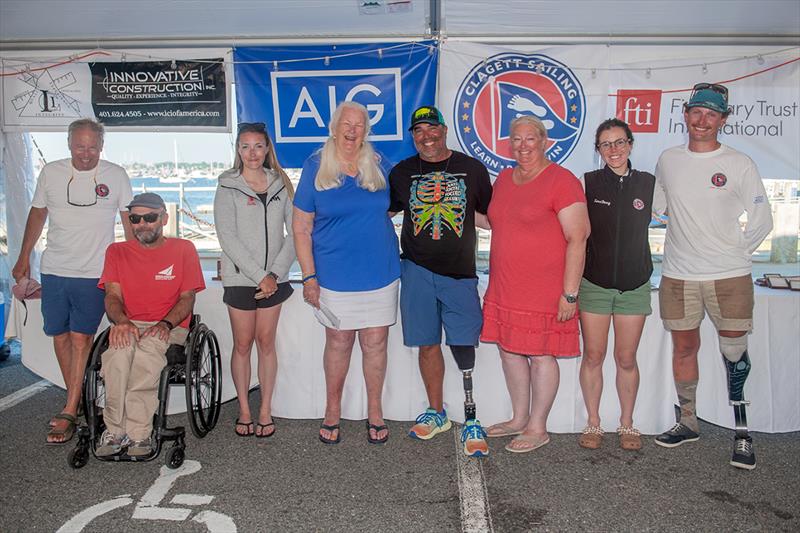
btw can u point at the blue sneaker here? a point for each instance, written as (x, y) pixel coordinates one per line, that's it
(429, 424)
(473, 437)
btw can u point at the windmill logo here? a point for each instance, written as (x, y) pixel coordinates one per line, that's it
(507, 86)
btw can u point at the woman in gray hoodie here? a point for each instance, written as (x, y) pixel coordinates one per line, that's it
(253, 214)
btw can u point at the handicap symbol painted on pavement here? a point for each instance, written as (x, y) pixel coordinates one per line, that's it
(149, 506)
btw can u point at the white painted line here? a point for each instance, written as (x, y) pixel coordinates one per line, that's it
(216, 522)
(475, 514)
(191, 499)
(175, 514)
(82, 519)
(23, 394)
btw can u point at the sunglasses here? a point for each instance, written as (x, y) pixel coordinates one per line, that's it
(82, 204)
(253, 126)
(721, 89)
(149, 218)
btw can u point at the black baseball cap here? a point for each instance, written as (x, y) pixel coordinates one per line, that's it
(426, 114)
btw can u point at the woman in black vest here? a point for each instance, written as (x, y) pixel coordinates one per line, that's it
(616, 278)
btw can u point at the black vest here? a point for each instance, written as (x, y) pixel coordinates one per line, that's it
(620, 209)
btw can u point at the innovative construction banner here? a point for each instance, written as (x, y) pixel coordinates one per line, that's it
(164, 90)
(160, 93)
(295, 89)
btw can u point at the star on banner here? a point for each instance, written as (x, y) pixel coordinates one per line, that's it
(467, 129)
(464, 117)
(573, 108)
(466, 105)
(573, 120)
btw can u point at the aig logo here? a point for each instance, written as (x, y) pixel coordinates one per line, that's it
(640, 109)
(303, 102)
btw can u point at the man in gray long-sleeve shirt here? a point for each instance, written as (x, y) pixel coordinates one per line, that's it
(705, 187)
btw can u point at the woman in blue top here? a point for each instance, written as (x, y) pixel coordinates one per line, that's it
(347, 250)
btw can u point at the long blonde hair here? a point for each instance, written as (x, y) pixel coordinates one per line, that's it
(370, 176)
(271, 161)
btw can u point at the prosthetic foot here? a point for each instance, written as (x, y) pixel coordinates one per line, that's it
(743, 454)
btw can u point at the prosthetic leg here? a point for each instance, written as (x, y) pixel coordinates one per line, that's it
(473, 437)
(737, 365)
(465, 358)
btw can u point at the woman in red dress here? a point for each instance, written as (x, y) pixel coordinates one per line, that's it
(539, 230)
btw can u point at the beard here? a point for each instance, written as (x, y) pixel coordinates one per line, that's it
(147, 236)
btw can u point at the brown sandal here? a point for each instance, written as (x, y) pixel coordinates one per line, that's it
(629, 438)
(591, 438)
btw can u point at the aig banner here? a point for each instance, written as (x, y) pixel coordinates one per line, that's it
(764, 95)
(126, 95)
(294, 90)
(483, 88)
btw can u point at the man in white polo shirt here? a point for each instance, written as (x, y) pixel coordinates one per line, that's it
(705, 186)
(80, 197)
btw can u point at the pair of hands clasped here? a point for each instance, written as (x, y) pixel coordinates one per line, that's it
(121, 335)
(267, 287)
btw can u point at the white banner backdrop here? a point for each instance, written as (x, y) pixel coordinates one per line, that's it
(41, 91)
(574, 88)
(764, 95)
(482, 88)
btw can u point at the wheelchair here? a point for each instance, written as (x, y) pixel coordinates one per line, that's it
(195, 365)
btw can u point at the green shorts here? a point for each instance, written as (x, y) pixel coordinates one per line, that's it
(595, 299)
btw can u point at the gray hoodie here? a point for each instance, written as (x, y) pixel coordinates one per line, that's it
(253, 241)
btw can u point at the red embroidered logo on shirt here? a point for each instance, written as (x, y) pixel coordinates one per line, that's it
(101, 190)
(251, 200)
(638, 204)
(719, 179)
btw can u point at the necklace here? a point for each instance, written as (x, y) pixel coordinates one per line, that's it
(446, 166)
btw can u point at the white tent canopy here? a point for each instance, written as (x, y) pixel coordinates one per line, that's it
(26, 24)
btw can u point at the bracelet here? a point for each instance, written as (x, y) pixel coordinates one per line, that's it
(309, 278)
(273, 275)
(167, 322)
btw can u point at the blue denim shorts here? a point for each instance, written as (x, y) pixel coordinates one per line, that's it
(430, 301)
(71, 304)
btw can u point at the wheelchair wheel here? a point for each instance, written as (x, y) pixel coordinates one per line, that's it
(203, 381)
(94, 395)
(78, 457)
(174, 457)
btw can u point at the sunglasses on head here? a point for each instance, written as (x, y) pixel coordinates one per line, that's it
(254, 126)
(721, 89)
(149, 218)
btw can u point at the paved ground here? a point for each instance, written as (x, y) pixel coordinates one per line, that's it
(292, 482)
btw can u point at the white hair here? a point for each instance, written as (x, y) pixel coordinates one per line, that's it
(370, 176)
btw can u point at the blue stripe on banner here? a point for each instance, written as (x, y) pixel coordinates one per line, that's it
(296, 100)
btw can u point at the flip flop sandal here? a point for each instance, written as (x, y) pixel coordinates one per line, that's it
(248, 425)
(68, 432)
(505, 431)
(260, 434)
(376, 429)
(331, 428)
(534, 441)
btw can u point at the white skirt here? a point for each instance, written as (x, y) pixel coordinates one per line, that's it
(358, 309)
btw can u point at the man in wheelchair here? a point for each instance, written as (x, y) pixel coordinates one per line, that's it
(150, 285)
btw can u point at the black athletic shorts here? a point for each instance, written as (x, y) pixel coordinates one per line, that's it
(244, 297)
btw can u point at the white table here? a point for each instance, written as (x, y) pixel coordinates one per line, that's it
(773, 385)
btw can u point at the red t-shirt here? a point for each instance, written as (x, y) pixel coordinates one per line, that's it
(152, 279)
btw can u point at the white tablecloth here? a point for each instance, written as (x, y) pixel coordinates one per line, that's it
(773, 385)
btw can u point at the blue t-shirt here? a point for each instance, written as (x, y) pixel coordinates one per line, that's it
(354, 243)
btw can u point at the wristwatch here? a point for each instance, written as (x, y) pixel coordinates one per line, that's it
(570, 298)
(273, 275)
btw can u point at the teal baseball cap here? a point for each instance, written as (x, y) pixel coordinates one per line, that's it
(709, 95)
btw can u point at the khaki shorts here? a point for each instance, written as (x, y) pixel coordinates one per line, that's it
(729, 303)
